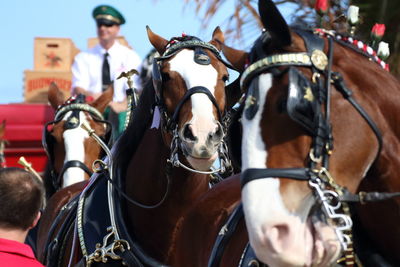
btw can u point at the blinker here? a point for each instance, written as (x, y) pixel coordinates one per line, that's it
(201, 57)
(301, 102)
(72, 121)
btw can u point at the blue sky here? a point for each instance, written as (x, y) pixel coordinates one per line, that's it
(25, 20)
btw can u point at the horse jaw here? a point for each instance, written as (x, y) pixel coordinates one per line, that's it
(279, 236)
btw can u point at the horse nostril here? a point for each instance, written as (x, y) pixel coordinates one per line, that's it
(217, 135)
(188, 133)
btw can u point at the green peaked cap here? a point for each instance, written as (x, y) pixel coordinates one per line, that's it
(108, 14)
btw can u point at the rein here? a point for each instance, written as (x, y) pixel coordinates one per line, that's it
(330, 195)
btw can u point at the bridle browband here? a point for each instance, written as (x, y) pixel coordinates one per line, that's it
(171, 123)
(329, 194)
(191, 42)
(76, 105)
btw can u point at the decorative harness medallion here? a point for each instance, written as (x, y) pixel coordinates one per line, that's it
(319, 59)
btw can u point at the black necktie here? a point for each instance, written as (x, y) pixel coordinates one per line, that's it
(106, 72)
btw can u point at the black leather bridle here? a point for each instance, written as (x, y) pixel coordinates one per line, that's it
(318, 125)
(75, 105)
(200, 57)
(171, 122)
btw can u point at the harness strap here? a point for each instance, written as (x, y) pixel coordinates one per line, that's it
(75, 164)
(347, 94)
(252, 174)
(54, 248)
(67, 165)
(188, 94)
(363, 197)
(224, 236)
(293, 59)
(78, 106)
(192, 42)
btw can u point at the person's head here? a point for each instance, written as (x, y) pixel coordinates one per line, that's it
(108, 21)
(21, 196)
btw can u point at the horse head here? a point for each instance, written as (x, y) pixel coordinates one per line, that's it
(303, 94)
(189, 79)
(70, 150)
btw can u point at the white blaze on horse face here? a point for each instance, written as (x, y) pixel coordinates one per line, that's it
(196, 75)
(278, 236)
(203, 121)
(74, 150)
(258, 195)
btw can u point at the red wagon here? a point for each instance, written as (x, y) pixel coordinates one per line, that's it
(24, 126)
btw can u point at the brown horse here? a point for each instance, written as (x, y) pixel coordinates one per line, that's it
(161, 162)
(70, 150)
(305, 91)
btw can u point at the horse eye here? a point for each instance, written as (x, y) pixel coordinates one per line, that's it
(225, 78)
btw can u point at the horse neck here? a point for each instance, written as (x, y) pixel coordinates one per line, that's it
(146, 182)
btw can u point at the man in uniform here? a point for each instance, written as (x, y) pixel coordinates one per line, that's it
(21, 196)
(95, 70)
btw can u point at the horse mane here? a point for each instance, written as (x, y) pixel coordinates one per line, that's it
(140, 119)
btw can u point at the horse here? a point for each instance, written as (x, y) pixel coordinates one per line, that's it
(160, 165)
(69, 149)
(319, 133)
(305, 202)
(2, 144)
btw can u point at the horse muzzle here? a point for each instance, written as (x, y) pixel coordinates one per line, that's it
(294, 241)
(200, 146)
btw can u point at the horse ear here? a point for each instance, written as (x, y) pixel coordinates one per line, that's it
(102, 101)
(236, 57)
(218, 38)
(274, 22)
(55, 96)
(157, 41)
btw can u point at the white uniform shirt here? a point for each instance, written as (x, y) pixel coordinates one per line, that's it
(87, 69)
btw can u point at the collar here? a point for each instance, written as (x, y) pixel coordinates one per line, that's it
(113, 49)
(15, 247)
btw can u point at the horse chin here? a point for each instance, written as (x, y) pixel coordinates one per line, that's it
(201, 164)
